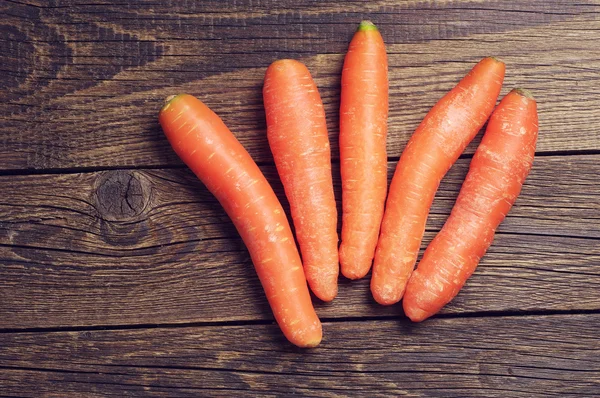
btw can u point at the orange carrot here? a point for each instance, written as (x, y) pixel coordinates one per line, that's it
(363, 158)
(206, 145)
(497, 172)
(298, 138)
(436, 144)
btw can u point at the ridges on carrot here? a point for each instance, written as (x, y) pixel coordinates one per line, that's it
(436, 144)
(297, 134)
(496, 175)
(363, 157)
(211, 151)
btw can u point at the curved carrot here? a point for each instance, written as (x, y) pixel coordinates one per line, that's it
(363, 158)
(206, 145)
(298, 138)
(436, 144)
(496, 174)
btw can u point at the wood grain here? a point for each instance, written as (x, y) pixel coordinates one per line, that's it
(153, 246)
(534, 356)
(138, 209)
(83, 82)
(121, 275)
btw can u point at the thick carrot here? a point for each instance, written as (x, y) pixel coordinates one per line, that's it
(436, 144)
(298, 138)
(206, 145)
(363, 158)
(497, 172)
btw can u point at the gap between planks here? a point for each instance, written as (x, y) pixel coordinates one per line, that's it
(94, 169)
(477, 314)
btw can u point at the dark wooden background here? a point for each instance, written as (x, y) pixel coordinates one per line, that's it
(120, 274)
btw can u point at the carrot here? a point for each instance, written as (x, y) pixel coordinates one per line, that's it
(363, 158)
(436, 144)
(298, 138)
(206, 145)
(497, 172)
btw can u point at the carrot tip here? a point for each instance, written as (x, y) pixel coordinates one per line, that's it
(312, 344)
(366, 26)
(496, 59)
(285, 61)
(416, 315)
(169, 100)
(524, 92)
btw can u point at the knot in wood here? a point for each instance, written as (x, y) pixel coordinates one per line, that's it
(121, 195)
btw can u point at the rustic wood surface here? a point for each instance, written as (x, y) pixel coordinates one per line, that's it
(469, 357)
(120, 274)
(118, 247)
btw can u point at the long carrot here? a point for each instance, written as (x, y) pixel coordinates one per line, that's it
(298, 138)
(497, 172)
(207, 146)
(363, 158)
(436, 144)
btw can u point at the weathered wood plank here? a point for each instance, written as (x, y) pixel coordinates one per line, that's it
(138, 209)
(153, 246)
(85, 81)
(531, 356)
(208, 281)
(87, 211)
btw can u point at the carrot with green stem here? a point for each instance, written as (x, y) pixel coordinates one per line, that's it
(496, 175)
(363, 158)
(206, 145)
(299, 142)
(436, 144)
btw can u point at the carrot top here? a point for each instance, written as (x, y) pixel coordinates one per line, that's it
(169, 100)
(524, 92)
(366, 26)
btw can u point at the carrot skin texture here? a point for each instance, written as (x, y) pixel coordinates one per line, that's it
(297, 134)
(211, 151)
(496, 175)
(363, 157)
(434, 147)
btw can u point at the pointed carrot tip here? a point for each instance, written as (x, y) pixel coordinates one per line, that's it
(353, 274)
(169, 100)
(327, 296)
(283, 61)
(496, 59)
(366, 26)
(385, 298)
(311, 337)
(312, 343)
(284, 64)
(415, 314)
(524, 92)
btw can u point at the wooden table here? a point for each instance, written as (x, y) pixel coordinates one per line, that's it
(121, 275)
